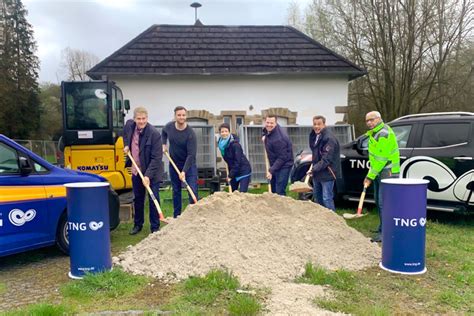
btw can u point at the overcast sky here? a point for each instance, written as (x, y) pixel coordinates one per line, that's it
(103, 26)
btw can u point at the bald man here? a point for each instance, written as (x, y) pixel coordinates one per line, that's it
(384, 158)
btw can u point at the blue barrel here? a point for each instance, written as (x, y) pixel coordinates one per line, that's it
(88, 228)
(404, 225)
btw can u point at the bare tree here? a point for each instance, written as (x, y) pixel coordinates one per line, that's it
(415, 51)
(75, 63)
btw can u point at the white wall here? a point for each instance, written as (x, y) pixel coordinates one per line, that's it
(307, 96)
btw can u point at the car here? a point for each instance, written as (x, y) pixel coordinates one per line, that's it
(438, 147)
(33, 207)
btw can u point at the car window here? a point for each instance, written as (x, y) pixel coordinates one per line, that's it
(8, 160)
(440, 135)
(39, 168)
(402, 133)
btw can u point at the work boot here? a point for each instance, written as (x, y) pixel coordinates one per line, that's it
(135, 230)
(376, 238)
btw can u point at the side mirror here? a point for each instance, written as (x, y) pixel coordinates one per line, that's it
(25, 166)
(362, 146)
(127, 105)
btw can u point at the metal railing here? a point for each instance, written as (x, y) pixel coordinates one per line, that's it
(251, 140)
(47, 149)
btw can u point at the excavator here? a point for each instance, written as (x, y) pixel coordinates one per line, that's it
(92, 139)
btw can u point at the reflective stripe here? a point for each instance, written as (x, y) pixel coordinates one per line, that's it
(28, 193)
(378, 158)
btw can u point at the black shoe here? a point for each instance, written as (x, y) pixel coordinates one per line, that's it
(154, 230)
(376, 238)
(135, 230)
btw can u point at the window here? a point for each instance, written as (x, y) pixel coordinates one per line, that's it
(440, 135)
(196, 121)
(282, 121)
(402, 133)
(117, 108)
(86, 106)
(239, 120)
(8, 160)
(228, 120)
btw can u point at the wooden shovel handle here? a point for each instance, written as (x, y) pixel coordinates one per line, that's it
(227, 176)
(361, 201)
(193, 196)
(150, 192)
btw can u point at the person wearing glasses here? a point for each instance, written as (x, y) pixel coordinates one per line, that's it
(384, 158)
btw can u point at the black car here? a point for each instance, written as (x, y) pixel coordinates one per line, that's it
(438, 147)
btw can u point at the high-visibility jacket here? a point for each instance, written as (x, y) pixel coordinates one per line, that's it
(383, 151)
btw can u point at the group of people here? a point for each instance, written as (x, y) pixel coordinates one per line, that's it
(146, 146)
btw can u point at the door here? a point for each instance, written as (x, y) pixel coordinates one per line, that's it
(444, 156)
(23, 205)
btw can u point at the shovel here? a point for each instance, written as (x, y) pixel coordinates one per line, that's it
(267, 167)
(150, 192)
(359, 208)
(227, 173)
(302, 187)
(193, 196)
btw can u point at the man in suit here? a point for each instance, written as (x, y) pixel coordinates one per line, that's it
(144, 142)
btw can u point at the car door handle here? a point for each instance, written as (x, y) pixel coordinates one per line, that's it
(403, 157)
(463, 158)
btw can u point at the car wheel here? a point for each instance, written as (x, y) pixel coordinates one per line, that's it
(62, 239)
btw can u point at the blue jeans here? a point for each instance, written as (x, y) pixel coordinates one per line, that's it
(139, 192)
(176, 184)
(244, 184)
(280, 181)
(323, 193)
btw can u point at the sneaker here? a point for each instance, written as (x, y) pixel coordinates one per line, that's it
(376, 238)
(135, 230)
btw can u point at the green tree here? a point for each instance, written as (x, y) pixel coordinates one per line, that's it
(19, 102)
(418, 53)
(51, 118)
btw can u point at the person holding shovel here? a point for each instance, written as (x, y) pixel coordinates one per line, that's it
(326, 163)
(279, 149)
(238, 165)
(182, 150)
(144, 142)
(384, 158)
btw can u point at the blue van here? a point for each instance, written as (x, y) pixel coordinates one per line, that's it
(33, 200)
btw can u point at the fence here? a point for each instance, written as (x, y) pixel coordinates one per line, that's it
(45, 148)
(251, 140)
(206, 149)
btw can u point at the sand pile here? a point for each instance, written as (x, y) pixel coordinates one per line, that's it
(263, 239)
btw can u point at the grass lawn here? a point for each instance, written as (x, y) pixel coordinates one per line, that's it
(447, 287)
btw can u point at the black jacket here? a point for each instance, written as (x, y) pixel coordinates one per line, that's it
(234, 156)
(279, 149)
(151, 150)
(326, 156)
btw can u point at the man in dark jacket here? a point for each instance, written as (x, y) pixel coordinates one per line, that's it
(144, 142)
(183, 150)
(326, 162)
(238, 165)
(280, 154)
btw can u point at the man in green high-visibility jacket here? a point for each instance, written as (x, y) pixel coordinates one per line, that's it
(384, 158)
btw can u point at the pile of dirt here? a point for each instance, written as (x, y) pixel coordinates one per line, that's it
(263, 239)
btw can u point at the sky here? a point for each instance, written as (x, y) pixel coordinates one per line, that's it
(103, 26)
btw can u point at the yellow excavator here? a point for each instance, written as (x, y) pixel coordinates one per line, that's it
(93, 121)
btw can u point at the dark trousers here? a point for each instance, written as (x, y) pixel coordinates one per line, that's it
(139, 193)
(280, 181)
(176, 184)
(385, 174)
(243, 183)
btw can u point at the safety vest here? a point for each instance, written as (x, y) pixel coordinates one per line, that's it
(383, 151)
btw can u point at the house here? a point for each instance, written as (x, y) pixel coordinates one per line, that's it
(212, 68)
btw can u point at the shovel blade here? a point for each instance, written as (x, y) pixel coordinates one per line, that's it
(352, 216)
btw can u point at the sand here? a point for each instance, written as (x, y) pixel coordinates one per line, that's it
(265, 240)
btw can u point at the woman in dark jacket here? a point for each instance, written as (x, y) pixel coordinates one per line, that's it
(238, 165)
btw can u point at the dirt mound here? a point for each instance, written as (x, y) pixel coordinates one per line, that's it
(263, 239)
